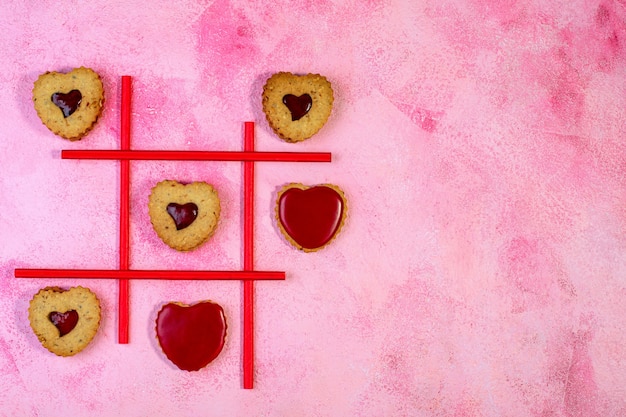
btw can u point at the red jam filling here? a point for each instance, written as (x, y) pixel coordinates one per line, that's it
(65, 322)
(68, 103)
(191, 336)
(312, 216)
(183, 214)
(299, 106)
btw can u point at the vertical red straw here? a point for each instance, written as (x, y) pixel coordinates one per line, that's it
(124, 309)
(248, 259)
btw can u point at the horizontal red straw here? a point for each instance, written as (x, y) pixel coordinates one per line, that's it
(147, 274)
(149, 155)
(124, 255)
(248, 259)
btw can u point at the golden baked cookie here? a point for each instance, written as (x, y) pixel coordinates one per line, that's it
(310, 217)
(69, 104)
(184, 216)
(297, 106)
(65, 321)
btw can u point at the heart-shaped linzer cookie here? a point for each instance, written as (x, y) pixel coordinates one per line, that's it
(65, 321)
(184, 216)
(297, 106)
(69, 104)
(310, 217)
(191, 336)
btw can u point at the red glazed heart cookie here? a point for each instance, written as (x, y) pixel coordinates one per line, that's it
(69, 104)
(297, 106)
(191, 336)
(310, 217)
(184, 216)
(65, 321)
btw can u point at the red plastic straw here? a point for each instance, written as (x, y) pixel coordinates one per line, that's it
(248, 259)
(124, 308)
(139, 155)
(147, 274)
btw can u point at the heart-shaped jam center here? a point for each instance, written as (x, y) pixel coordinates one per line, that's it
(65, 322)
(311, 216)
(191, 336)
(67, 102)
(298, 105)
(183, 214)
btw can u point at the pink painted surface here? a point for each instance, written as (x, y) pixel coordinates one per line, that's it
(480, 144)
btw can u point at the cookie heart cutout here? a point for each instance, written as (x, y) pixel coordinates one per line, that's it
(191, 336)
(65, 322)
(184, 216)
(298, 105)
(69, 104)
(310, 217)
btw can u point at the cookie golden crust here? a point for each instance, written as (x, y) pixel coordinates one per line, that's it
(52, 301)
(69, 104)
(184, 216)
(297, 106)
(310, 217)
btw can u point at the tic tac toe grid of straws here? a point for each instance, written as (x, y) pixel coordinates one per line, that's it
(124, 274)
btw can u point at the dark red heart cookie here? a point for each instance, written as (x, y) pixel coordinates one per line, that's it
(191, 336)
(310, 217)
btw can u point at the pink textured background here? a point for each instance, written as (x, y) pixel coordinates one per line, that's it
(481, 147)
